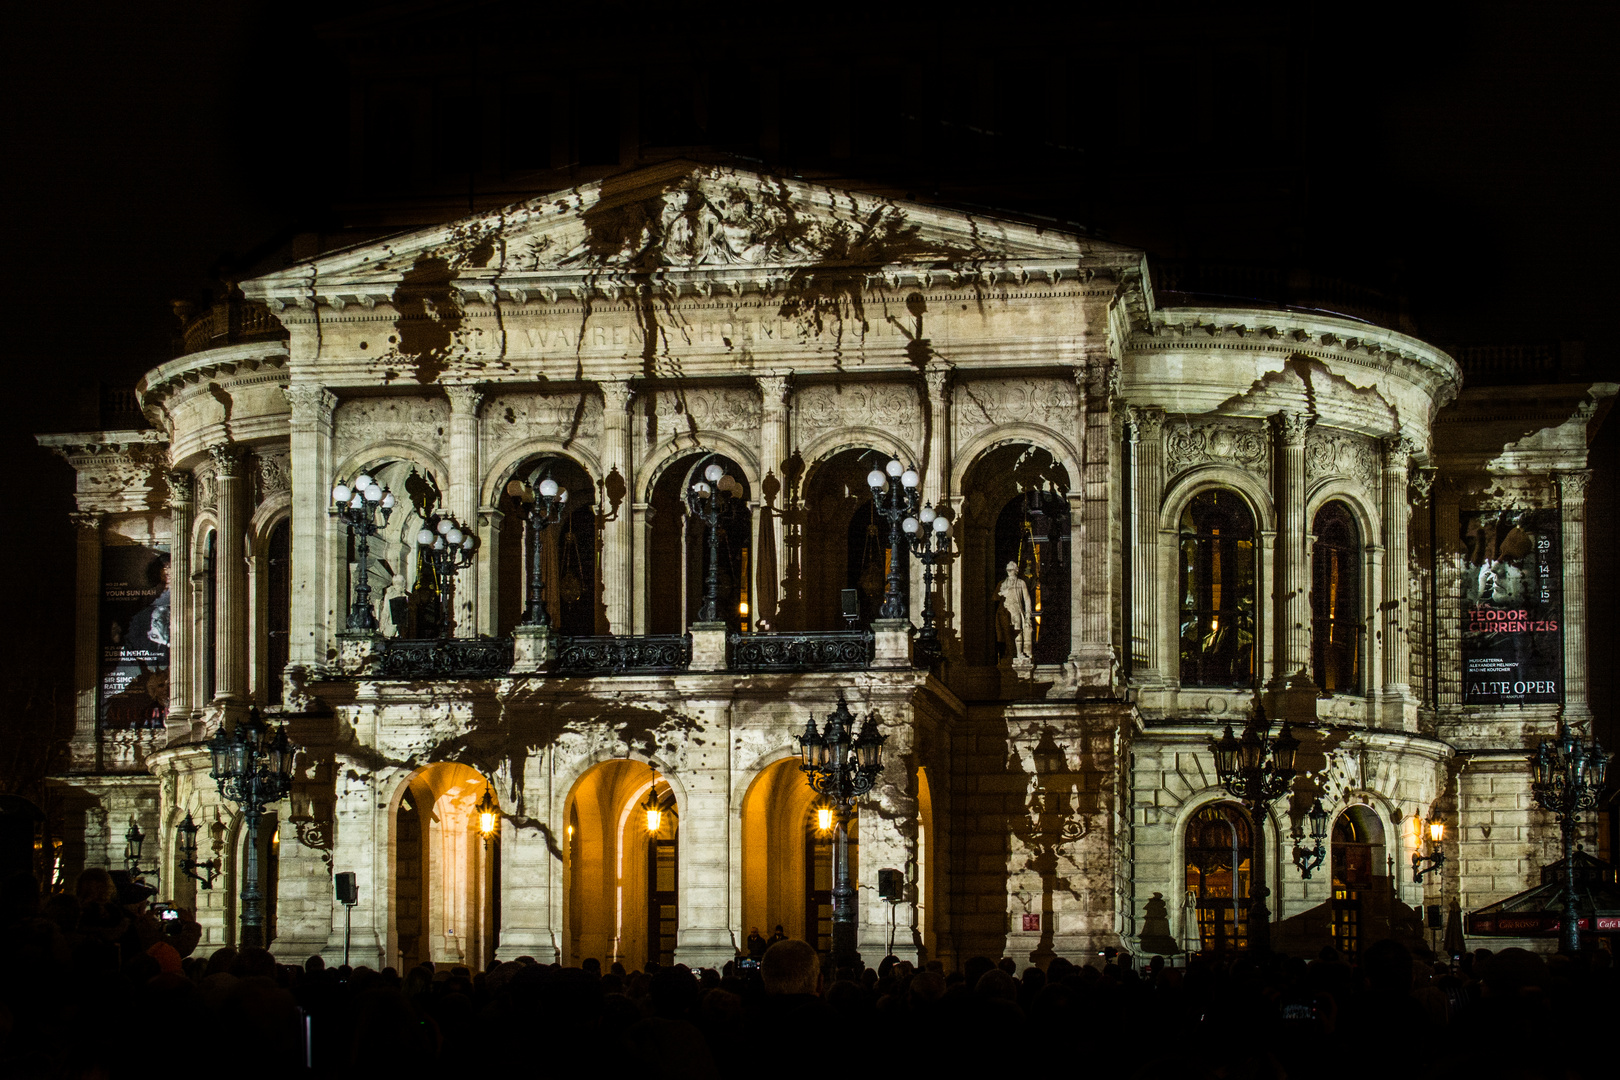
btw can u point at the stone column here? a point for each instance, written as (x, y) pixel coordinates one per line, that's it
(618, 477)
(1290, 586)
(314, 603)
(936, 489)
(1148, 488)
(489, 559)
(230, 603)
(86, 743)
(1572, 506)
(773, 451)
(462, 498)
(181, 630)
(706, 937)
(531, 873)
(1399, 708)
(1093, 582)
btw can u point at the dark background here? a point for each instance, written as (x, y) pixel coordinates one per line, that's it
(1446, 167)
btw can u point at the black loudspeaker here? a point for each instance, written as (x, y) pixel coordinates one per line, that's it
(851, 602)
(1434, 916)
(891, 885)
(347, 891)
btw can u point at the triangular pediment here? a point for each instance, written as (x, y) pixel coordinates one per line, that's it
(686, 224)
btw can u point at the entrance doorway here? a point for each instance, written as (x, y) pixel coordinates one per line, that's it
(445, 901)
(1218, 854)
(621, 883)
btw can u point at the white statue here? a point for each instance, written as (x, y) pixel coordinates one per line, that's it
(1014, 595)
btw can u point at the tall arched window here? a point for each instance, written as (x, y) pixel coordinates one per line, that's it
(1219, 847)
(1336, 625)
(1217, 591)
(209, 621)
(278, 611)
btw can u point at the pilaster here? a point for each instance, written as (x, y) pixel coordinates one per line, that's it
(181, 630)
(1093, 580)
(1147, 426)
(231, 609)
(773, 447)
(313, 530)
(1290, 588)
(618, 477)
(1398, 706)
(463, 495)
(1572, 516)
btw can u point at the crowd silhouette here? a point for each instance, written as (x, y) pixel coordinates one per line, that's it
(97, 984)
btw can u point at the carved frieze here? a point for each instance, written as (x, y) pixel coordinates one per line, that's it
(732, 409)
(1053, 402)
(885, 406)
(272, 474)
(570, 419)
(1339, 453)
(363, 422)
(1188, 443)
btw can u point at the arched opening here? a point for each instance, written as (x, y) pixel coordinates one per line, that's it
(404, 593)
(678, 548)
(1358, 873)
(268, 849)
(927, 908)
(1218, 575)
(622, 875)
(445, 888)
(570, 552)
(1019, 513)
(1336, 619)
(278, 608)
(773, 814)
(844, 542)
(1219, 848)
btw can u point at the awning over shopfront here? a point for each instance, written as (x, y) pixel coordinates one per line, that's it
(1538, 912)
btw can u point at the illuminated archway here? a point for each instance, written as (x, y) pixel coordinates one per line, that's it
(621, 879)
(1358, 869)
(445, 880)
(787, 856)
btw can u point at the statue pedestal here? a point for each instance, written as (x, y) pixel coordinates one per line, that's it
(358, 650)
(891, 644)
(534, 648)
(708, 646)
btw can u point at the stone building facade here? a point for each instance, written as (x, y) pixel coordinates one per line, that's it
(1201, 501)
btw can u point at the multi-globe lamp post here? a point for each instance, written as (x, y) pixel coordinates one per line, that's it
(841, 766)
(448, 548)
(360, 505)
(253, 766)
(1257, 770)
(1567, 776)
(894, 495)
(707, 502)
(546, 502)
(929, 536)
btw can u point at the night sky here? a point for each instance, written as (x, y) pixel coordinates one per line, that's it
(1472, 148)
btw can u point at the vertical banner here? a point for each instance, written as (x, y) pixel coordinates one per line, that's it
(1512, 608)
(134, 691)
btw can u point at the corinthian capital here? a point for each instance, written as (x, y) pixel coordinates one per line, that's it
(464, 398)
(616, 395)
(1291, 427)
(310, 403)
(1398, 451)
(1148, 419)
(181, 486)
(227, 459)
(88, 520)
(1572, 486)
(937, 377)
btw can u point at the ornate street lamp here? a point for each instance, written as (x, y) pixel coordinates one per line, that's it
(1567, 776)
(489, 815)
(134, 840)
(1309, 858)
(707, 502)
(358, 505)
(1436, 858)
(653, 809)
(546, 502)
(448, 548)
(185, 845)
(896, 502)
(841, 766)
(253, 766)
(929, 536)
(1257, 770)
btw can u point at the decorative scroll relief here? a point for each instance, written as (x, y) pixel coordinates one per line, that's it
(1050, 402)
(271, 473)
(513, 419)
(819, 409)
(207, 487)
(735, 410)
(1230, 442)
(423, 422)
(1338, 453)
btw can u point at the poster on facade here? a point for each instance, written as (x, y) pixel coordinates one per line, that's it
(1512, 608)
(134, 690)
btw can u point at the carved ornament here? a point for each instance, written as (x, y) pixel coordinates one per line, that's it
(1339, 453)
(888, 407)
(1228, 442)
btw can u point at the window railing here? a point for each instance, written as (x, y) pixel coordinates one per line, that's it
(835, 650)
(444, 658)
(623, 654)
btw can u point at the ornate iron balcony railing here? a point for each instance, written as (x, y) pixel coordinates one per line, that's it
(836, 650)
(622, 654)
(445, 658)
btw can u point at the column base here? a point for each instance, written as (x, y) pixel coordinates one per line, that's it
(891, 647)
(1292, 699)
(709, 646)
(358, 651)
(538, 944)
(705, 948)
(534, 649)
(1397, 708)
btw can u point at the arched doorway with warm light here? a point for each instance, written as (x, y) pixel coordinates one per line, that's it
(1359, 875)
(445, 905)
(621, 872)
(1218, 849)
